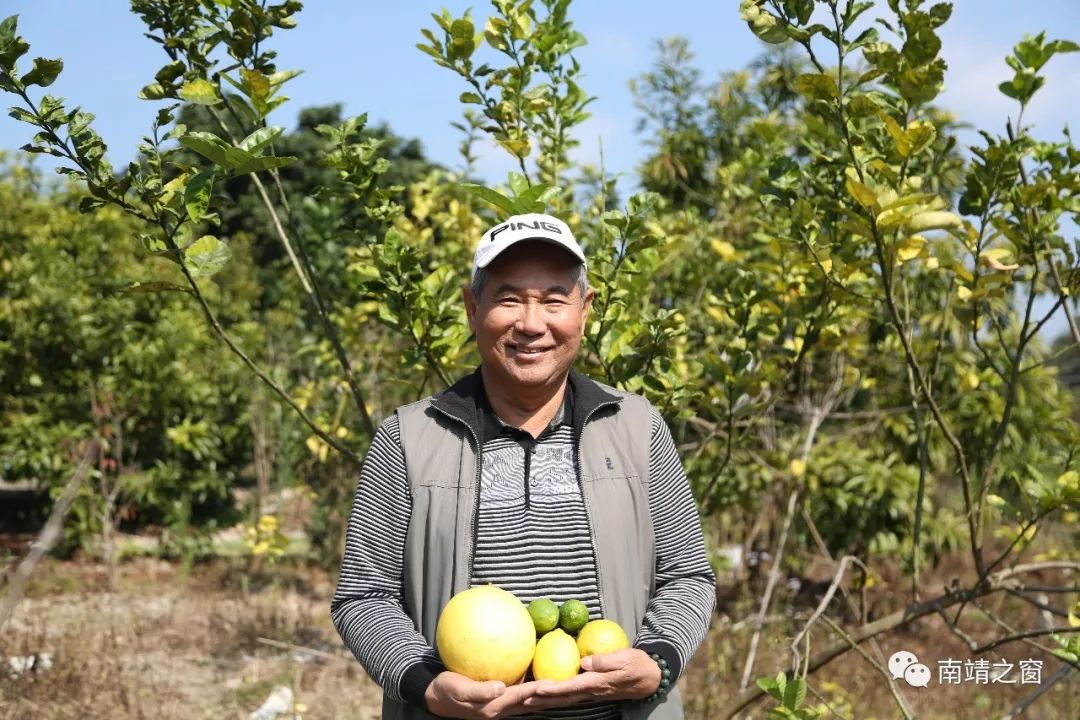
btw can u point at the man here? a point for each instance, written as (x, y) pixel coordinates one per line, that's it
(534, 478)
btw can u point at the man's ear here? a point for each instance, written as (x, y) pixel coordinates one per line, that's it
(586, 307)
(470, 306)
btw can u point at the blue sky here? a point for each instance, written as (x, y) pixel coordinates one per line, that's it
(363, 54)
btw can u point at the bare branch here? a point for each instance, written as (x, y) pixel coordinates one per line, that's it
(994, 583)
(876, 665)
(1027, 702)
(49, 535)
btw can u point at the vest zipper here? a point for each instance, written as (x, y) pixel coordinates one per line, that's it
(584, 502)
(476, 495)
(581, 487)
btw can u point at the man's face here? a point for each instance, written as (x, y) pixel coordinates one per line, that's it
(530, 315)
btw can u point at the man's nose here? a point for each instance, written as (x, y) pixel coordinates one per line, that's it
(531, 319)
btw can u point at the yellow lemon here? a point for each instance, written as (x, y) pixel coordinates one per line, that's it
(556, 657)
(485, 633)
(601, 636)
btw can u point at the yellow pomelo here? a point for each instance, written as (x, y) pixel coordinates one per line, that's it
(601, 636)
(556, 657)
(485, 633)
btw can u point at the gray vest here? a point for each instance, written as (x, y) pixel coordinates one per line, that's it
(613, 468)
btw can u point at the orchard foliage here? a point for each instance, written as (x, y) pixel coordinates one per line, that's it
(840, 311)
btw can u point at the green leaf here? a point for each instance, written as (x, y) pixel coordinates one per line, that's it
(517, 182)
(535, 199)
(7, 28)
(197, 194)
(818, 86)
(217, 151)
(155, 91)
(44, 72)
(262, 137)
(471, 98)
(492, 196)
(12, 47)
(794, 693)
(206, 256)
(774, 686)
(763, 24)
(89, 204)
(462, 39)
(258, 164)
(208, 145)
(170, 72)
(200, 92)
(22, 115)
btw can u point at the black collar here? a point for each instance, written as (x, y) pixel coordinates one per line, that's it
(464, 401)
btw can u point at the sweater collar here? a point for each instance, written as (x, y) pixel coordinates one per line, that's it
(464, 400)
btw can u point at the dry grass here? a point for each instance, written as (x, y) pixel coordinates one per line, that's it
(161, 645)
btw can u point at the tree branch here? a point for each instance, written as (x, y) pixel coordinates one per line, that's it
(48, 536)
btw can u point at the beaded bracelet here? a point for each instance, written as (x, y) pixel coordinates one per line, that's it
(665, 679)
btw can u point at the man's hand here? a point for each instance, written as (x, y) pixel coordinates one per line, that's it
(623, 675)
(455, 696)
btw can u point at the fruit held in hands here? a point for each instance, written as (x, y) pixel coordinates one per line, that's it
(573, 615)
(544, 614)
(601, 636)
(485, 633)
(556, 657)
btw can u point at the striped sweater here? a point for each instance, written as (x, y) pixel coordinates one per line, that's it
(532, 539)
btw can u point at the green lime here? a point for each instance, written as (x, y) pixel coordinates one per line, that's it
(573, 615)
(544, 614)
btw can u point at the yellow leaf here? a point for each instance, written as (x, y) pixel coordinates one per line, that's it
(862, 194)
(971, 380)
(995, 500)
(200, 92)
(918, 135)
(1069, 479)
(996, 259)
(934, 220)
(897, 133)
(963, 293)
(797, 468)
(932, 263)
(723, 248)
(910, 248)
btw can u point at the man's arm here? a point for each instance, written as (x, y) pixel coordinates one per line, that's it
(367, 607)
(678, 614)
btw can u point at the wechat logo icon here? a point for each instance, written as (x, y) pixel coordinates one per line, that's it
(904, 664)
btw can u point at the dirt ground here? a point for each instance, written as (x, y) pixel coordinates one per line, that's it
(164, 644)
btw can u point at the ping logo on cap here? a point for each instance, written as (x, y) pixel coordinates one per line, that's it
(537, 225)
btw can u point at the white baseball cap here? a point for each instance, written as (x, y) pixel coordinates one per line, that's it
(515, 229)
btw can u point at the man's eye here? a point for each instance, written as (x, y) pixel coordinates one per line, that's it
(508, 301)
